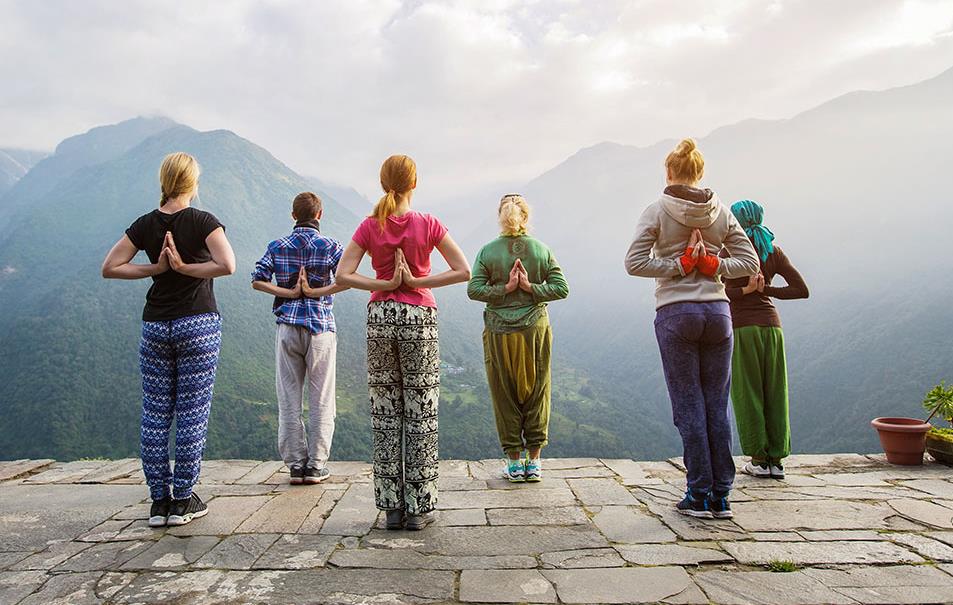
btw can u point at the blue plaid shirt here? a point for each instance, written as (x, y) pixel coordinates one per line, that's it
(284, 257)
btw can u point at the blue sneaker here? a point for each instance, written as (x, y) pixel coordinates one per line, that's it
(533, 470)
(514, 471)
(720, 506)
(694, 507)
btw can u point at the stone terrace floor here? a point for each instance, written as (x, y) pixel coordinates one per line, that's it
(594, 531)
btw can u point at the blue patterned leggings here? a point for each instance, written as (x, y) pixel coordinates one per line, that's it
(178, 360)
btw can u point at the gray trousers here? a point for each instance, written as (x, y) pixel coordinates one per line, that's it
(300, 356)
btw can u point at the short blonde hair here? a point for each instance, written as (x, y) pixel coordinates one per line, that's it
(685, 163)
(179, 174)
(513, 214)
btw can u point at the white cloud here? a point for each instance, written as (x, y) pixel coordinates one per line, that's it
(478, 92)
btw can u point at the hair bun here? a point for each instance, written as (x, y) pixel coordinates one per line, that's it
(685, 147)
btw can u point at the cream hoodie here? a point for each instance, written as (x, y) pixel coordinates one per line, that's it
(663, 233)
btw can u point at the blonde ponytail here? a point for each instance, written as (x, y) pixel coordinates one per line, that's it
(178, 175)
(398, 175)
(513, 215)
(685, 163)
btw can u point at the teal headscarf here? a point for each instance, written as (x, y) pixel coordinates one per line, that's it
(749, 215)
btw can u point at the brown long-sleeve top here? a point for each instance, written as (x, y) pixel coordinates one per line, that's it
(756, 309)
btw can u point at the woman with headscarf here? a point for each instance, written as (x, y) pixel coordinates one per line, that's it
(759, 377)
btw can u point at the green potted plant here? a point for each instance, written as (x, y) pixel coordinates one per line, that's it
(939, 441)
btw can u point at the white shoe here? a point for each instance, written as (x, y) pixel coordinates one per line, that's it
(756, 470)
(777, 471)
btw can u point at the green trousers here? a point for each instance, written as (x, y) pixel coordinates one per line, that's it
(759, 393)
(518, 373)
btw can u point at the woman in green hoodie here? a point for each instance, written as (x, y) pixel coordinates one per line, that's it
(516, 275)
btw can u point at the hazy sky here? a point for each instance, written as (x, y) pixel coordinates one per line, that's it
(478, 92)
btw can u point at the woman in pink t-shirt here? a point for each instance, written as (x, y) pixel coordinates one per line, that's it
(403, 355)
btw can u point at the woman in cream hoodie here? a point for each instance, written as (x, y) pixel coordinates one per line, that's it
(677, 242)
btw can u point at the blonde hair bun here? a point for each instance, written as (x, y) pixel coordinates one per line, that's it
(685, 163)
(178, 175)
(513, 213)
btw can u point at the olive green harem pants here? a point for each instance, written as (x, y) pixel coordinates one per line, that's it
(759, 393)
(518, 373)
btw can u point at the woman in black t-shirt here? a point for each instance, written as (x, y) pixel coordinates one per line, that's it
(181, 334)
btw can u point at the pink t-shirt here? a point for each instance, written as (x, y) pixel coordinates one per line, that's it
(417, 235)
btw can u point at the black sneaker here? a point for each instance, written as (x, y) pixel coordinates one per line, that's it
(694, 507)
(159, 513)
(395, 519)
(297, 474)
(315, 475)
(418, 522)
(183, 511)
(720, 506)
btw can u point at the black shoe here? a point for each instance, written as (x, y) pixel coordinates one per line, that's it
(418, 522)
(297, 474)
(159, 513)
(183, 511)
(315, 475)
(395, 519)
(694, 506)
(720, 506)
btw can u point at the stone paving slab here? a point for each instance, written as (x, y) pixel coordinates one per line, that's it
(601, 492)
(826, 553)
(484, 541)
(566, 515)
(582, 559)
(11, 469)
(239, 551)
(113, 470)
(225, 514)
(354, 514)
(767, 588)
(34, 515)
(502, 498)
(625, 585)
(924, 512)
(899, 584)
(283, 587)
(16, 585)
(297, 552)
(171, 552)
(382, 558)
(629, 525)
(284, 513)
(505, 586)
(671, 554)
(775, 515)
(592, 531)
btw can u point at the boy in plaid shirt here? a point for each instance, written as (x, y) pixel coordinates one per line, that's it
(303, 265)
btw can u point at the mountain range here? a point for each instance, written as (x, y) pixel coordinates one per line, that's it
(854, 190)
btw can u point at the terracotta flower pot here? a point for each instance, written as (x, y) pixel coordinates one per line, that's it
(941, 449)
(903, 439)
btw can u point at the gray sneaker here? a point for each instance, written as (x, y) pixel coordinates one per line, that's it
(315, 475)
(297, 474)
(418, 522)
(395, 519)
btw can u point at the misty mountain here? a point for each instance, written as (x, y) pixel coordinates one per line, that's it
(14, 163)
(99, 145)
(856, 193)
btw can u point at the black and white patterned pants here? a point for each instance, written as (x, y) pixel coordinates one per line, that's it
(403, 377)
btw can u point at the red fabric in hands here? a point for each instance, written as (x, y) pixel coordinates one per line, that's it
(708, 265)
(688, 261)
